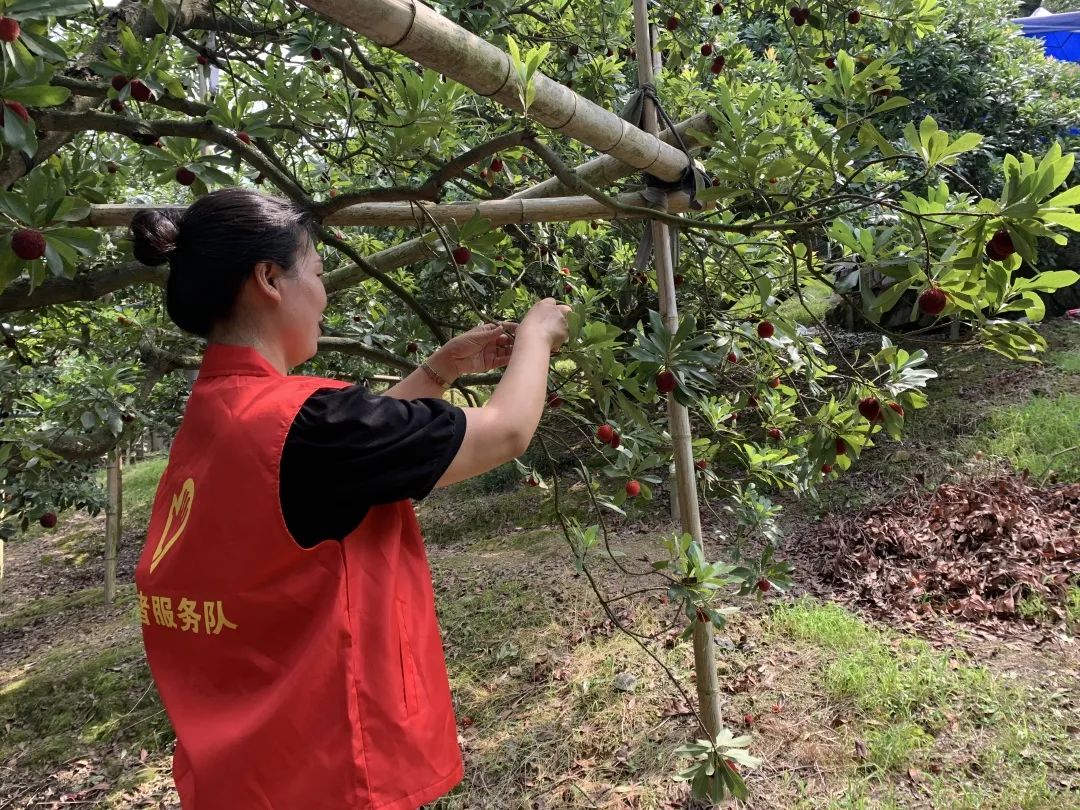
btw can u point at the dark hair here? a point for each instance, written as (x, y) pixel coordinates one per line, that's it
(213, 246)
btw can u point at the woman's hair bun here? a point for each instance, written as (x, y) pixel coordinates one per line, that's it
(155, 234)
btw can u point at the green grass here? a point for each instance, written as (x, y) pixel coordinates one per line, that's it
(818, 303)
(74, 697)
(140, 485)
(57, 604)
(915, 707)
(1041, 435)
(1067, 361)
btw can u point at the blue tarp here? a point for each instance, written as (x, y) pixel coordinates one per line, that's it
(1059, 32)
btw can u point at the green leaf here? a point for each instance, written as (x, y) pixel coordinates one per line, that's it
(40, 9)
(1048, 281)
(43, 47)
(161, 14)
(41, 95)
(1070, 221)
(1068, 197)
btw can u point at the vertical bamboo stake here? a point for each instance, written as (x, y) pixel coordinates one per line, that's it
(708, 685)
(114, 501)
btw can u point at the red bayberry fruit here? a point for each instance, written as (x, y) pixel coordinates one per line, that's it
(532, 482)
(701, 464)
(118, 82)
(244, 137)
(19, 110)
(116, 104)
(574, 49)
(870, 408)
(615, 441)
(567, 288)
(556, 402)
(496, 165)
(564, 270)
(853, 17)
(732, 357)
(826, 468)
(461, 255)
(665, 382)
(932, 301)
(732, 765)
(316, 54)
(718, 9)
(185, 176)
(413, 347)
(706, 49)
(765, 329)
(799, 15)
(678, 280)
(763, 585)
(633, 489)
(775, 434)
(1000, 246)
(672, 23)
(259, 179)
(605, 433)
(28, 244)
(841, 448)
(48, 520)
(830, 63)
(717, 64)
(111, 167)
(202, 60)
(751, 401)
(9, 29)
(139, 91)
(774, 382)
(897, 408)
(748, 719)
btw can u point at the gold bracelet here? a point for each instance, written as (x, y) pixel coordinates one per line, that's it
(434, 375)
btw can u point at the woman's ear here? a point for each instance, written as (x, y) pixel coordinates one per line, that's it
(266, 275)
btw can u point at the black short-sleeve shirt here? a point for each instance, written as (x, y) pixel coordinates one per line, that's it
(348, 450)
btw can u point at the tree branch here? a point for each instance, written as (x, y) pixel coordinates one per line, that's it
(86, 287)
(140, 129)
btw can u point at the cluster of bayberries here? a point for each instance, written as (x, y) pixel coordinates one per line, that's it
(800, 15)
(870, 408)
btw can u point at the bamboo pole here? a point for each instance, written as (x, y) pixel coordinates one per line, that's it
(421, 33)
(511, 211)
(113, 511)
(605, 169)
(708, 685)
(599, 172)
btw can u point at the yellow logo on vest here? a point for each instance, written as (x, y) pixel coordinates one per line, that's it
(179, 512)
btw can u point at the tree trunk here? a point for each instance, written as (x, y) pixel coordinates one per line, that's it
(113, 514)
(708, 684)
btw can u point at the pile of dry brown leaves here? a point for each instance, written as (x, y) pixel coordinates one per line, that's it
(971, 549)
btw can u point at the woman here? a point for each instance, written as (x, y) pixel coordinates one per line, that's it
(285, 595)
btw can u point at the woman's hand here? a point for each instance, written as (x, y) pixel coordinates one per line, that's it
(481, 349)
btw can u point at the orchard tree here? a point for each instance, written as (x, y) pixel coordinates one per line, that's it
(806, 178)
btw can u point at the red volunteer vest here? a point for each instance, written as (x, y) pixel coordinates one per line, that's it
(295, 679)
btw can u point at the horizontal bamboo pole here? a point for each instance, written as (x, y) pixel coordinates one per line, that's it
(421, 33)
(511, 211)
(604, 170)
